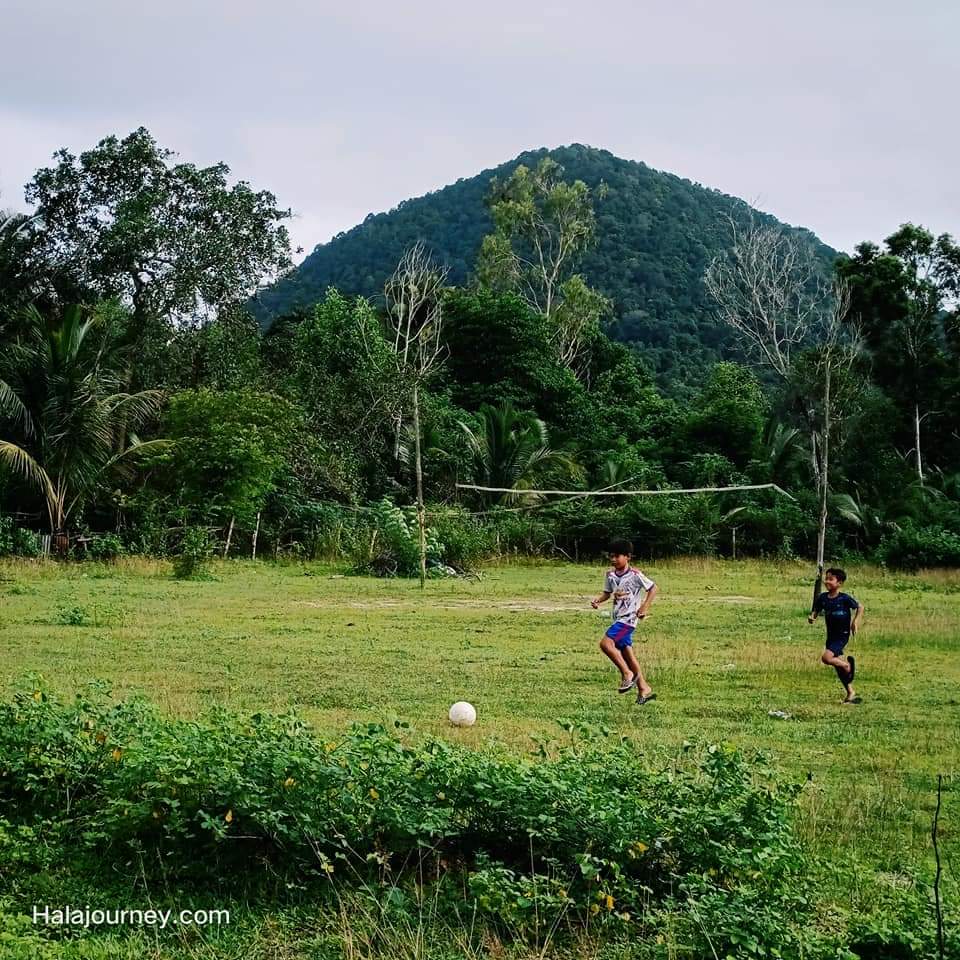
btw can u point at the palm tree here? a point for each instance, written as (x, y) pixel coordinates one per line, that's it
(61, 408)
(511, 449)
(781, 453)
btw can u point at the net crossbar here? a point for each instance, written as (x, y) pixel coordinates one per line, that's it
(623, 493)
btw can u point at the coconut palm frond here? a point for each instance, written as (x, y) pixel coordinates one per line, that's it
(136, 407)
(23, 464)
(15, 408)
(843, 505)
(511, 448)
(124, 462)
(63, 383)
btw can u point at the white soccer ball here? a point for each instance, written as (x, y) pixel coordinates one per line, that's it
(462, 714)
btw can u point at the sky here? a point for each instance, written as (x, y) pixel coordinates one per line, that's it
(838, 116)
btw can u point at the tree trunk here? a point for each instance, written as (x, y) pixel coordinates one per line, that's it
(396, 436)
(226, 546)
(256, 531)
(916, 441)
(421, 515)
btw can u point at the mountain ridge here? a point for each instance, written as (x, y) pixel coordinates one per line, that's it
(656, 233)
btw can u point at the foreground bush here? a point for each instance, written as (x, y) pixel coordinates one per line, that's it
(913, 547)
(578, 837)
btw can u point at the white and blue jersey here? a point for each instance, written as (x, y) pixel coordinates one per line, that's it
(628, 587)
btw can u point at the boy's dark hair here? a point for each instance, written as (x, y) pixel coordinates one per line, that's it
(621, 546)
(841, 575)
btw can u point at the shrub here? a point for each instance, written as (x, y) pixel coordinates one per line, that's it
(912, 547)
(330, 531)
(17, 542)
(195, 550)
(589, 835)
(107, 546)
(465, 541)
(520, 533)
(394, 548)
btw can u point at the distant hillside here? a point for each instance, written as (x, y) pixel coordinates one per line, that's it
(656, 233)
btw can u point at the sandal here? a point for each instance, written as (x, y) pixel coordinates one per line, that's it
(627, 685)
(641, 699)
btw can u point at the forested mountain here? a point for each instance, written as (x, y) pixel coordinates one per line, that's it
(656, 233)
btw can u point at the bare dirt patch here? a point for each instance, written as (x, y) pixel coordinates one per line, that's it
(516, 605)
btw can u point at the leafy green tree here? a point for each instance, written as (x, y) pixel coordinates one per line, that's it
(168, 239)
(495, 351)
(62, 405)
(728, 415)
(223, 354)
(511, 448)
(229, 451)
(338, 370)
(542, 226)
(905, 299)
(20, 280)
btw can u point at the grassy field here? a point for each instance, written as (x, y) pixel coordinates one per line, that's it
(726, 644)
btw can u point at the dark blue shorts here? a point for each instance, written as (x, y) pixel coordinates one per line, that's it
(836, 644)
(621, 634)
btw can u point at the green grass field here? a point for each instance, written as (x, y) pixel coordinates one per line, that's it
(726, 643)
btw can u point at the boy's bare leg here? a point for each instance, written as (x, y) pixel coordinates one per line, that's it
(610, 649)
(633, 663)
(842, 667)
(832, 660)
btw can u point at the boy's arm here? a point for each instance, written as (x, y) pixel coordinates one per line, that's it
(603, 598)
(647, 600)
(857, 619)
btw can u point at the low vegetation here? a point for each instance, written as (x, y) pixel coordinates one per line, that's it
(326, 803)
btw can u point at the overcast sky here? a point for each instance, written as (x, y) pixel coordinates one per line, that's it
(839, 116)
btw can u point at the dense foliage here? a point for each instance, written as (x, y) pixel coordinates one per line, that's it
(655, 234)
(583, 837)
(141, 405)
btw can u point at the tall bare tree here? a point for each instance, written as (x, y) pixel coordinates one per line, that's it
(790, 319)
(414, 296)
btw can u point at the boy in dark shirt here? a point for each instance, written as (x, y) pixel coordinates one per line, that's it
(836, 607)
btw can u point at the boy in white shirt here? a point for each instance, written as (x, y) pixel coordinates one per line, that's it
(632, 594)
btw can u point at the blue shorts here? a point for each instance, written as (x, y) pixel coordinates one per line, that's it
(621, 634)
(836, 644)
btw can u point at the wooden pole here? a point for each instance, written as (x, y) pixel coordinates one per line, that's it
(421, 513)
(226, 546)
(256, 530)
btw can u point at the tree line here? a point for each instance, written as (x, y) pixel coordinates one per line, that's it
(143, 409)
